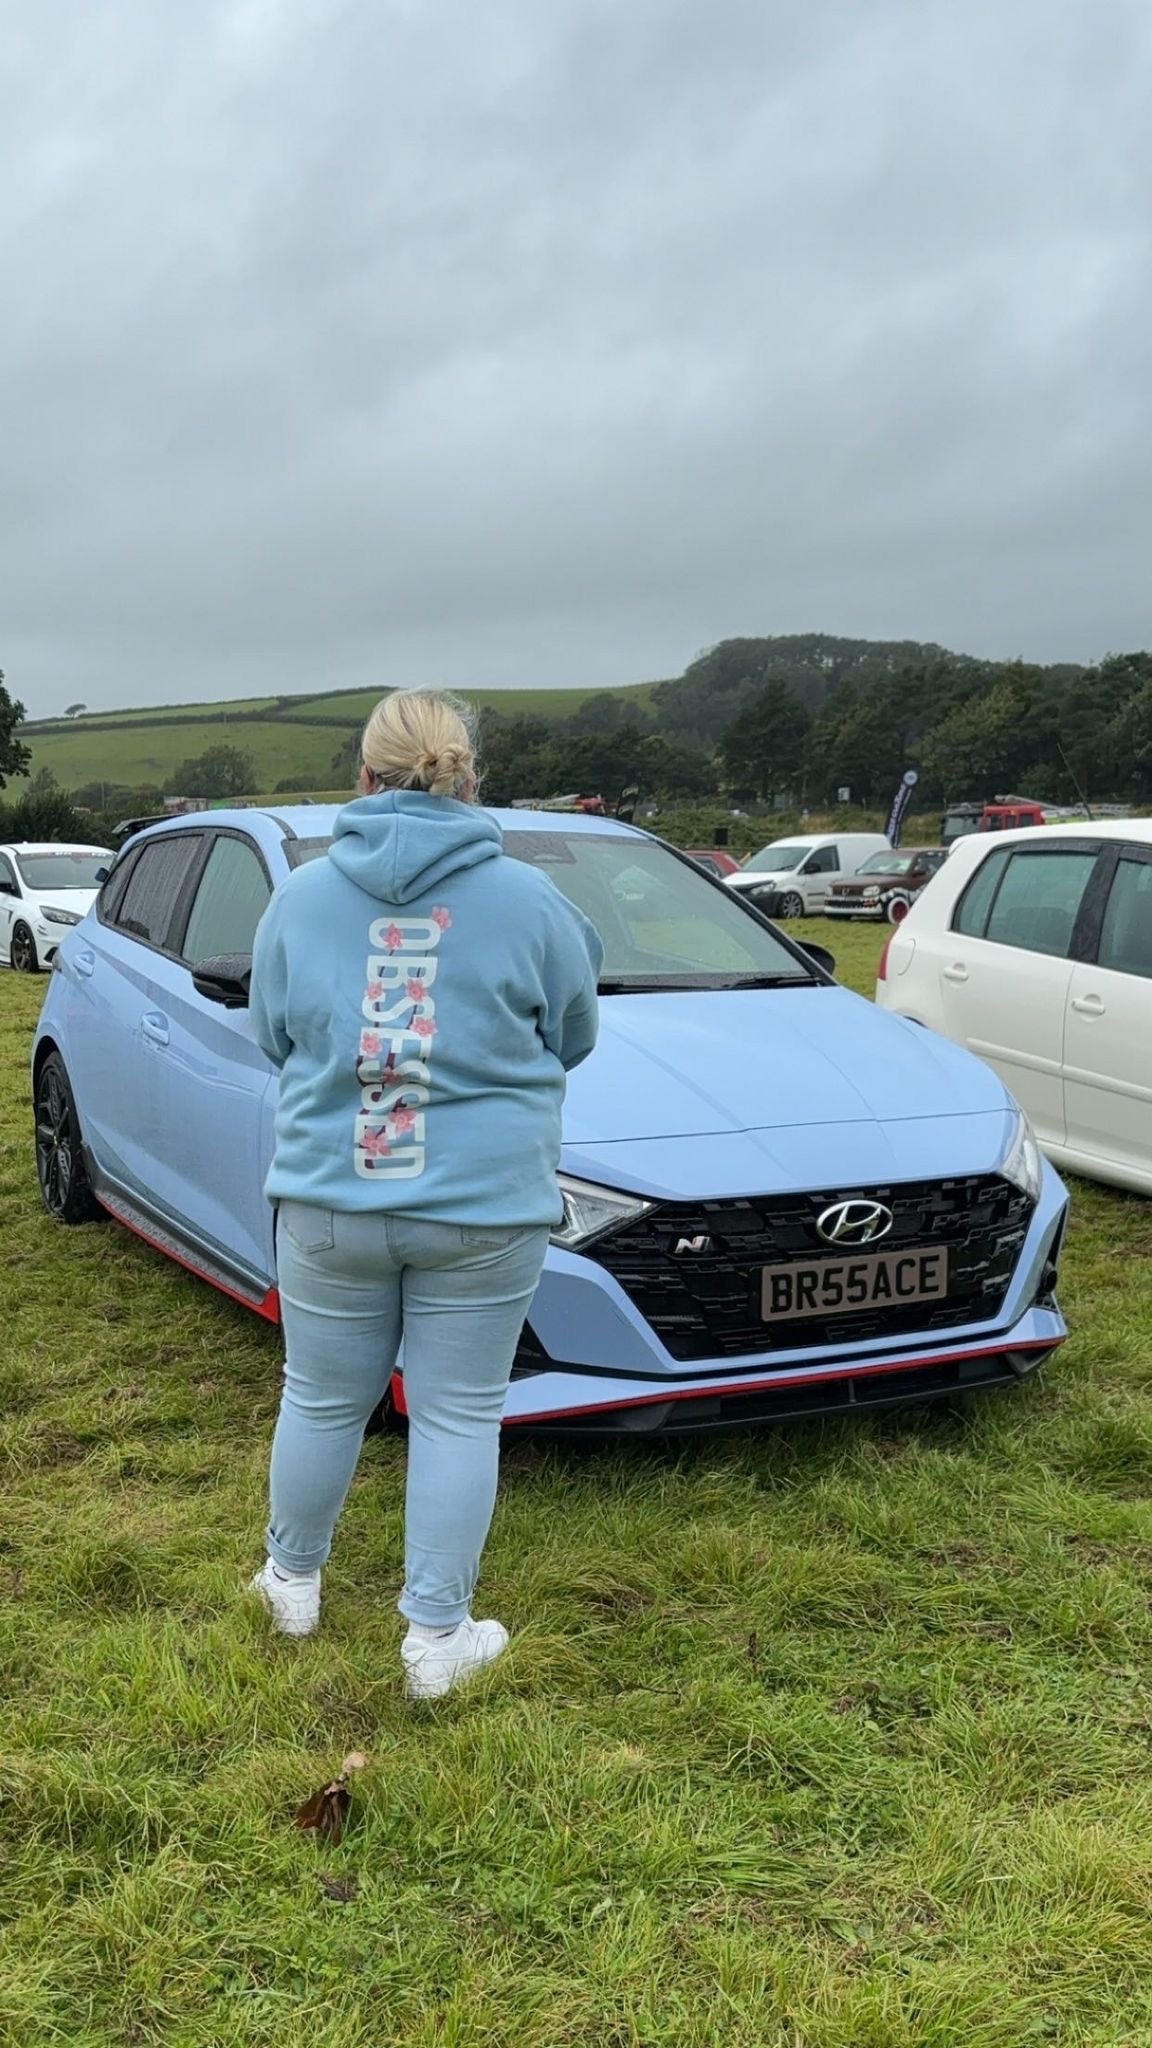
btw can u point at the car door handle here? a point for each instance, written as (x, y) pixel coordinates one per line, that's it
(1088, 1006)
(155, 1028)
(85, 964)
(957, 972)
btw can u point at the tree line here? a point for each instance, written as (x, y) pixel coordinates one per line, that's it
(795, 717)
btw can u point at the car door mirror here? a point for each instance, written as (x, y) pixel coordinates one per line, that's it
(821, 958)
(8, 889)
(225, 979)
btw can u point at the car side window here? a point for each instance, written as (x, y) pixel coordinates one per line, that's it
(1126, 933)
(146, 909)
(231, 898)
(114, 888)
(1039, 899)
(971, 913)
(825, 861)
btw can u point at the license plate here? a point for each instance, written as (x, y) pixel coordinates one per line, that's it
(836, 1287)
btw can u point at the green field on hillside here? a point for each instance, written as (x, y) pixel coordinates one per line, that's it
(285, 736)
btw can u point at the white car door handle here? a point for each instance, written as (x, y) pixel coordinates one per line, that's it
(1088, 1006)
(155, 1028)
(957, 972)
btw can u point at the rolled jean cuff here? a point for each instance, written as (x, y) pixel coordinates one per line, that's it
(427, 1616)
(295, 1560)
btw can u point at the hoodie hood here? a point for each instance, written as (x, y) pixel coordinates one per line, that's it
(404, 843)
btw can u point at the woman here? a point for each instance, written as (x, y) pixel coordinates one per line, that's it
(424, 995)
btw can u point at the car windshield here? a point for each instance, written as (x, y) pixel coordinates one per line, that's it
(887, 864)
(63, 870)
(776, 860)
(664, 924)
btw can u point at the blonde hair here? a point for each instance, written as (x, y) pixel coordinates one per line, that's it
(421, 739)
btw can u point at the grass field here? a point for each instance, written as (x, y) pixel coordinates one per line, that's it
(830, 1737)
(299, 735)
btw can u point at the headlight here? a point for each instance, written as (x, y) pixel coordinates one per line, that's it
(1022, 1164)
(60, 916)
(589, 1211)
(871, 895)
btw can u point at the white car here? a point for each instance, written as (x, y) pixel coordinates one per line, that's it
(1034, 950)
(792, 877)
(44, 890)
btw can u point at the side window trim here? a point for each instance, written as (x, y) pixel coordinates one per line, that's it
(185, 902)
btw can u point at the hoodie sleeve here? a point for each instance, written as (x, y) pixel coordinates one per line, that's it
(569, 1016)
(268, 994)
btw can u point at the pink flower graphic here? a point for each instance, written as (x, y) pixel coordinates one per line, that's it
(375, 991)
(375, 1144)
(415, 989)
(370, 1043)
(442, 918)
(423, 1027)
(402, 1120)
(394, 937)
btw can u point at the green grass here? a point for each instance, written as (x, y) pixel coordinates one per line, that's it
(824, 1737)
(134, 748)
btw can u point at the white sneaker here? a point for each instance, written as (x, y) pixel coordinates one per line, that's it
(293, 1602)
(433, 1668)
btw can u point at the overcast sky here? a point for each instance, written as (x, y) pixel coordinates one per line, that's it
(548, 341)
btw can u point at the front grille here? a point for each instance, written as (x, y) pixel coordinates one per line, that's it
(706, 1304)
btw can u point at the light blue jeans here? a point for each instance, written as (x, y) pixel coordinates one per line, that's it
(351, 1286)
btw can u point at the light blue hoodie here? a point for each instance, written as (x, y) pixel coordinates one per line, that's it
(424, 995)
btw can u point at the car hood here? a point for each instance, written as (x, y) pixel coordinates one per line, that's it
(725, 1061)
(79, 900)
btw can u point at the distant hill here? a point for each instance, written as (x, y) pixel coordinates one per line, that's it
(286, 736)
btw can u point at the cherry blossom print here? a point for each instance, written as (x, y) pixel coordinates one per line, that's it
(394, 1058)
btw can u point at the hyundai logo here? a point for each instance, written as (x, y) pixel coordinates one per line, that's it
(854, 1222)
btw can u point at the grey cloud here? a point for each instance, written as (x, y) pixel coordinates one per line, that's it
(397, 341)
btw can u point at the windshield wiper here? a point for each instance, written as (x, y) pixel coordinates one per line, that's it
(640, 985)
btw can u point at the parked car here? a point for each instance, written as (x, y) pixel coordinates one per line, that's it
(887, 884)
(777, 1200)
(714, 860)
(1034, 950)
(44, 890)
(792, 877)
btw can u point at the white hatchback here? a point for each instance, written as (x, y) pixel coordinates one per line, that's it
(44, 890)
(1034, 950)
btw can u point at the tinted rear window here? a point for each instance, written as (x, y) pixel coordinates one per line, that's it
(146, 907)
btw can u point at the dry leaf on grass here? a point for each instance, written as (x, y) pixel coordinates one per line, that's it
(327, 1810)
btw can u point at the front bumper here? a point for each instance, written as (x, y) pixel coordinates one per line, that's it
(580, 1403)
(591, 1365)
(876, 911)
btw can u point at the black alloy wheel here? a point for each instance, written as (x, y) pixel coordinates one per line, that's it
(22, 951)
(60, 1167)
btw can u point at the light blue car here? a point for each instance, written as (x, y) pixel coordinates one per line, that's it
(779, 1200)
